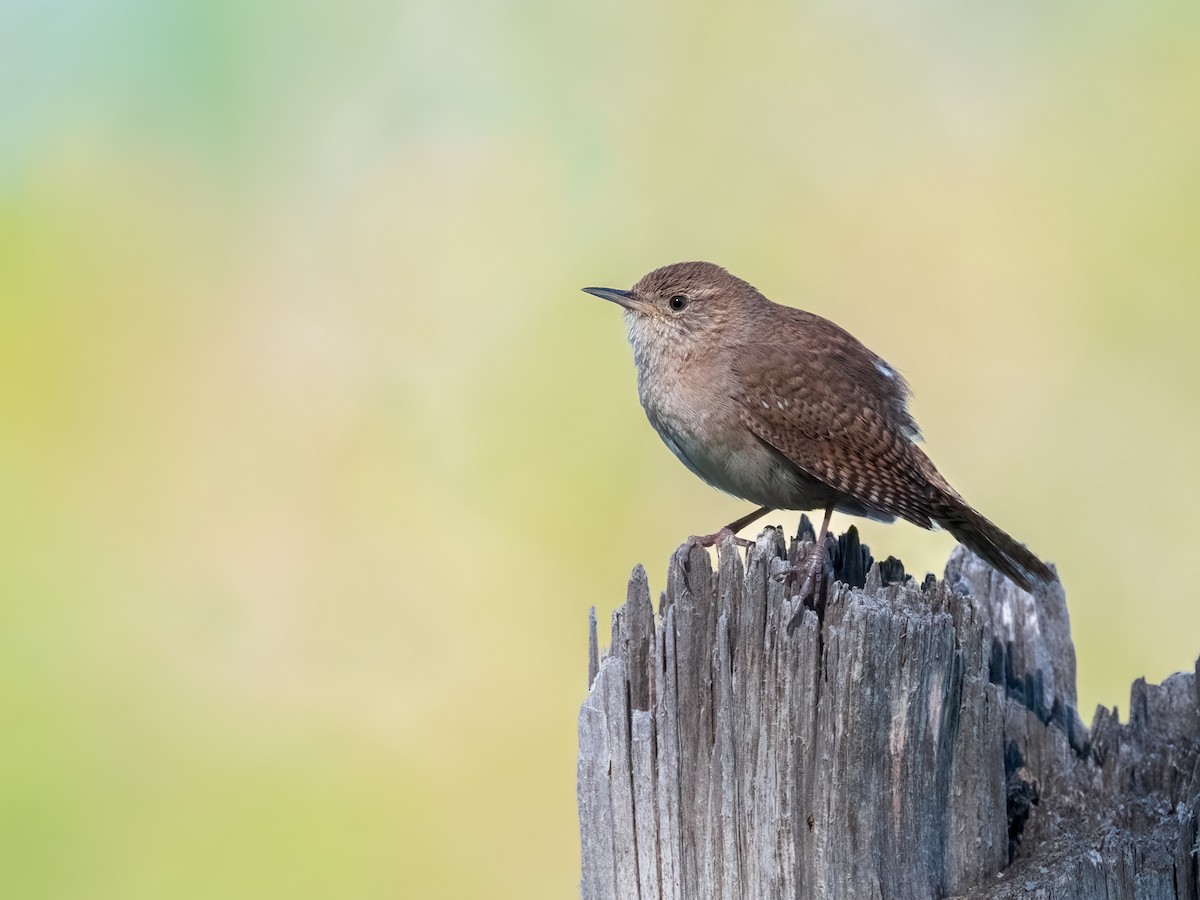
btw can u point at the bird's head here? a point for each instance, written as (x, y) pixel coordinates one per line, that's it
(683, 307)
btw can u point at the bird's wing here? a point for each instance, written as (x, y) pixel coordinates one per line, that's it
(826, 422)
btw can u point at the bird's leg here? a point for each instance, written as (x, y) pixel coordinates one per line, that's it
(809, 568)
(708, 540)
(747, 519)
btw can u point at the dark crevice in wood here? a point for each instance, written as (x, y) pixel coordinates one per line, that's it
(630, 772)
(1021, 795)
(1028, 689)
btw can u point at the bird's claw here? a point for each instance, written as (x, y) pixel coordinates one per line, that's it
(710, 540)
(806, 593)
(810, 571)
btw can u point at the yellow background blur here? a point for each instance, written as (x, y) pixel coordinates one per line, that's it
(313, 457)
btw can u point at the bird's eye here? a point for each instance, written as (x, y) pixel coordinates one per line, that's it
(678, 302)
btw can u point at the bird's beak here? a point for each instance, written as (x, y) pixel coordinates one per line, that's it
(621, 298)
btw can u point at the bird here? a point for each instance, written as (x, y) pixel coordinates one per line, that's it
(783, 408)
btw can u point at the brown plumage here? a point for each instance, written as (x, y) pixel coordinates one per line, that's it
(786, 409)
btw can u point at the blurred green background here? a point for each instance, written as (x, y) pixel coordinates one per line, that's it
(313, 457)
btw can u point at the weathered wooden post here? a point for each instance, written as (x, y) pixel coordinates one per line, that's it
(905, 740)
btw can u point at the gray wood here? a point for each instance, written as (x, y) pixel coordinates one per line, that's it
(904, 740)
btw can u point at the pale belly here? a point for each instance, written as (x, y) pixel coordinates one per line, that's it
(732, 459)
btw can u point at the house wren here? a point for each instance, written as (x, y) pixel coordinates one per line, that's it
(787, 410)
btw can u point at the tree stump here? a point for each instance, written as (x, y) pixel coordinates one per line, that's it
(900, 740)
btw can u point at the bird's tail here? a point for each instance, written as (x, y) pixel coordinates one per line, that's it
(1000, 549)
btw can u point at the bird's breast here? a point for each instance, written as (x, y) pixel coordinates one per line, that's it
(699, 422)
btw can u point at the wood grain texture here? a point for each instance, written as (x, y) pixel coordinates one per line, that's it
(905, 741)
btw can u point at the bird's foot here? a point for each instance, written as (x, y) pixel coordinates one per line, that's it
(710, 540)
(809, 573)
